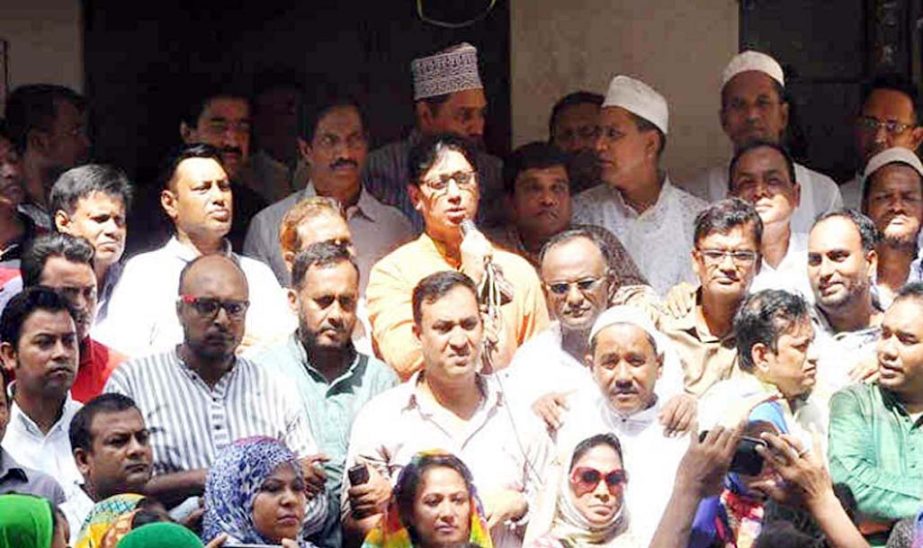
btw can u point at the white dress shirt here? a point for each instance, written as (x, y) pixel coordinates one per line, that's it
(76, 509)
(791, 274)
(659, 239)
(650, 457)
(839, 353)
(376, 230)
(142, 316)
(49, 453)
(819, 194)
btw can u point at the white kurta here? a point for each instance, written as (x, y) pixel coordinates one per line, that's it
(142, 313)
(659, 239)
(819, 194)
(791, 274)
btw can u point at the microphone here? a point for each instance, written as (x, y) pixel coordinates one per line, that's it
(494, 274)
(467, 227)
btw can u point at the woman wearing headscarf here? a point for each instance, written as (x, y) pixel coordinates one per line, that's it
(585, 505)
(31, 522)
(433, 503)
(161, 535)
(255, 493)
(103, 515)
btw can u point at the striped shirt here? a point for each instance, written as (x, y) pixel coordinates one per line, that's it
(190, 422)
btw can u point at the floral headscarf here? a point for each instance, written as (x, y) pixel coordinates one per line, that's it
(233, 483)
(103, 515)
(392, 533)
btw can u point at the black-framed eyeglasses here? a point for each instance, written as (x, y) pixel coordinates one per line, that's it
(872, 125)
(208, 306)
(716, 256)
(464, 180)
(584, 286)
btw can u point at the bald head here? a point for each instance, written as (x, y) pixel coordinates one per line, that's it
(209, 270)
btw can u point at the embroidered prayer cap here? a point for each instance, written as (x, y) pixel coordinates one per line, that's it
(753, 60)
(895, 155)
(640, 99)
(449, 71)
(630, 315)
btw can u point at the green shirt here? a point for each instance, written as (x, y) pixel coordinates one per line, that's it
(876, 449)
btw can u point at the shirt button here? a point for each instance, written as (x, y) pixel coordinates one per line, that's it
(217, 427)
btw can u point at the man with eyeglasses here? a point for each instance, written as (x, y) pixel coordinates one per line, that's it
(200, 397)
(842, 261)
(763, 175)
(444, 189)
(887, 118)
(754, 108)
(65, 263)
(197, 196)
(334, 144)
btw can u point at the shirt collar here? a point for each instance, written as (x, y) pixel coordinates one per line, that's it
(188, 253)
(694, 324)
(490, 389)
(299, 351)
(367, 205)
(663, 199)
(10, 468)
(641, 419)
(68, 410)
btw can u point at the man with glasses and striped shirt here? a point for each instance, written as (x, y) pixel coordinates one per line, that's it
(200, 396)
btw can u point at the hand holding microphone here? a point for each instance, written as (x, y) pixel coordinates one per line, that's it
(475, 251)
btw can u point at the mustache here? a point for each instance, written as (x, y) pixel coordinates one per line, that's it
(232, 150)
(344, 162)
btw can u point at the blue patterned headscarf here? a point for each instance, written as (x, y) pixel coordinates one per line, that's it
(233, 483)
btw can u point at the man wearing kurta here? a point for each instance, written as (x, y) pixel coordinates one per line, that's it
(444, 189)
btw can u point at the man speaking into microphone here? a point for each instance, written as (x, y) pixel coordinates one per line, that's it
(444, 188)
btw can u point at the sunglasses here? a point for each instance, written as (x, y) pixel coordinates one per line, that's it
(208, 306)
(584, 285)
(585, 480)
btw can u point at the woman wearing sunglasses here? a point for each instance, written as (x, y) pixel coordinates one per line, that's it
(586, 506)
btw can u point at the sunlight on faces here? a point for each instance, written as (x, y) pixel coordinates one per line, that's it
(622, 151)
(443, 212)
(329, 228)
(76, 282)
(223, 123)
(199, 199)
(541, 204)
(887, 105)
(839, 270)
(728, 276)
(11, 191)
(792, 365)
(463, 114)
(279, 507)
(121, 456)
(326, 305)
(895, 204)
(442, 508)
(761, 179)
(338, 152)
(569, 262)
(100, 219)
(599, 505)
(752, 109)
(900, 349)
(213, 337)
(626, 367)
(450, 332)
(45, 360)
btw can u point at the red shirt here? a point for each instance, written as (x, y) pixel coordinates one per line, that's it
(97, 362)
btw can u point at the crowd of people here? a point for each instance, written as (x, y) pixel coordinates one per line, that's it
(424, 345)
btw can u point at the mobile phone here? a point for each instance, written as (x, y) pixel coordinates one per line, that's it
(746, 460)
(358, 474)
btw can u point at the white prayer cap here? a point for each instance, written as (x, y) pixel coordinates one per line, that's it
(895, 155)
(630, 315)
(640, 99)
(753, 60)
(451, 70)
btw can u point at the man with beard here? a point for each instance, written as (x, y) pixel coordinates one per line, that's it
(334, 380)
(48, 126)
(112, 450)
(841, 266)
(448, 98)
(38, 345)
(887, 119)
(763, 175)
(334, 143)
(875, 434)
(894, 201)
(196, 195)
(64, 263)
(199, 397)
(574, 128)
(754, 108)
(538, 192)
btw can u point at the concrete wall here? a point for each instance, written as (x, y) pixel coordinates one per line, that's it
(45, 41)
(679, 48)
